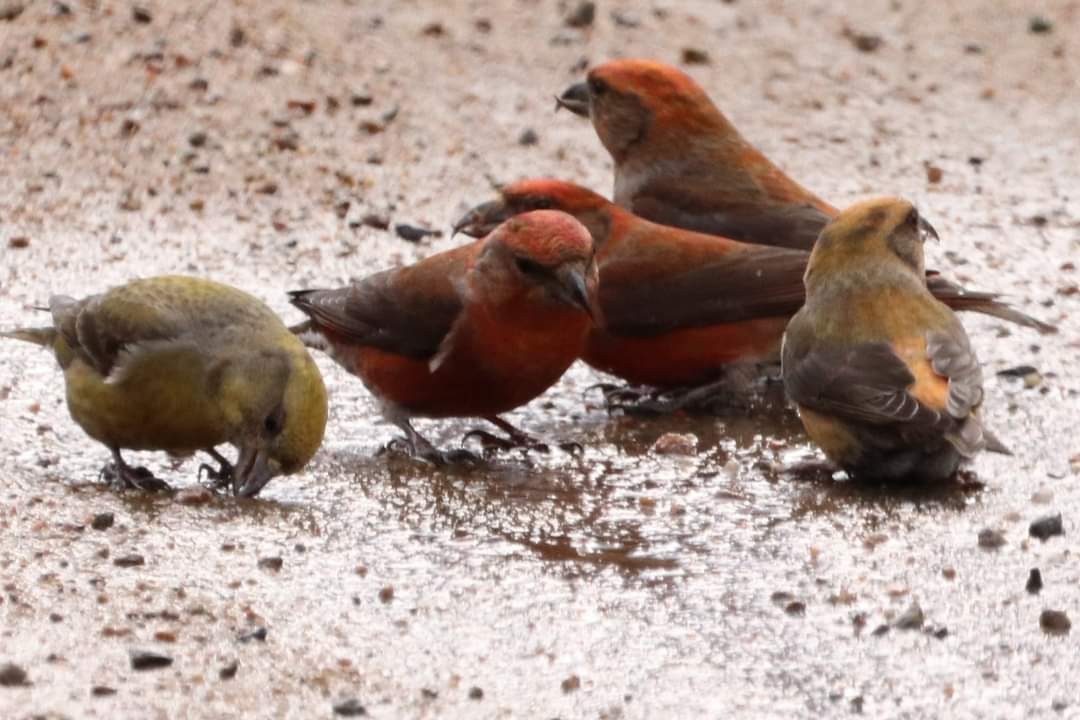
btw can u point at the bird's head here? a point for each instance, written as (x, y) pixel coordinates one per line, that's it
(524, 196)
(872, 233)
(274, 402)
(544, 257)
(632, 102)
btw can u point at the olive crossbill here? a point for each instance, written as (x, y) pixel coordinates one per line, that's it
(883, 374)
(183, 364)
(678, 307)
(679, 161)
(471, 332)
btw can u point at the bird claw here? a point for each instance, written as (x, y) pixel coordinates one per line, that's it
(491, 442)
(220, 478)
(125, 477)
(431, 454)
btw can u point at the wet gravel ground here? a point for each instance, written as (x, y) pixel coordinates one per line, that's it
(261, 143)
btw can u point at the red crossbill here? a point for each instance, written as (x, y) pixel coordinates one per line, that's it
(883, 374)
(471, 332)
(680, 162)
(678, 307)
(182, 364)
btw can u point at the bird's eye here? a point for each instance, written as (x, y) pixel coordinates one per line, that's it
(529, 267)
(274, 422)
(597, 87)
(541, 203)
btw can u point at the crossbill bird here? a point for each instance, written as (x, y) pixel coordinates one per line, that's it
(882, 373)
(182, 364)
(679, 161)
(678, 308)
(471, 332)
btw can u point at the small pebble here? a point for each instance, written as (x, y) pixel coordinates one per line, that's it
(102, 521)
(795, 607)
(229, 671)
(991, 539)
(411, 233)
(141, 15)
(19, 242)
(934, 174)
(258, 634)
(676, 444)
(528, 138)
(911, 619)
(273, 564)
(194, 495)
(350, 708)
(1046, 527)
(146, 660)
(102, 691)
(12, 675)
(571, 684)
(476, 693)
(386, 594)
(1054, 622)
(582, 16)
(133, 560)
(695, 56)
(1039, 25)
(1034, 581)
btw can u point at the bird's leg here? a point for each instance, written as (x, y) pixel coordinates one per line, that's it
(122, 476)
(417, 446)
(220, 477)
(516, 438)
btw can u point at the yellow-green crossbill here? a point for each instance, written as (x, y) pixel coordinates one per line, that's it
(883, 374)
(182, 364)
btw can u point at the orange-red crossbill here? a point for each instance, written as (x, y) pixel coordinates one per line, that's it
(679, 161)
(678, 307)
(883, 374)
(182, 364)
(471, 332)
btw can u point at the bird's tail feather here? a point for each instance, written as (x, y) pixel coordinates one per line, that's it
(986, 303)
(39, 336)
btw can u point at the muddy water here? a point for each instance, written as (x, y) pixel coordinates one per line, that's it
(741, 580)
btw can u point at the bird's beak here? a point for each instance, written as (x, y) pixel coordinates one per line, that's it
(927, 230)
(252, 471)
(573, 287)
(483, 218)
(575, 99)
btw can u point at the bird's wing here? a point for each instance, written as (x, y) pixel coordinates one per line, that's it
(407, 311)
(781, 225)
(950, 355)
(111, 330)
(649, 296)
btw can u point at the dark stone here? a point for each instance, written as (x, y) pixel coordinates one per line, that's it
(350, 708)
(582, 16)
(147, 660)
(141, 15)
(102, 521)
(476, 693)
(258, 634)
(1046, 527)
(1034, 581)
(991, 539)
(411, 233)
(1055, 622)
(12, 675)
(132, 560)
(272, 564)
(229, 671)
(911, 619)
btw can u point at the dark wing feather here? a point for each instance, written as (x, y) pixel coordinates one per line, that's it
(788, 226)
(758, 282)
(407, 311)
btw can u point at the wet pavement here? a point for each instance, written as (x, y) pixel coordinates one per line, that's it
(741, 579)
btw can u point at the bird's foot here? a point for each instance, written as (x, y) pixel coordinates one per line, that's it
(220, 478)
(429, 453)
(121, 476)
